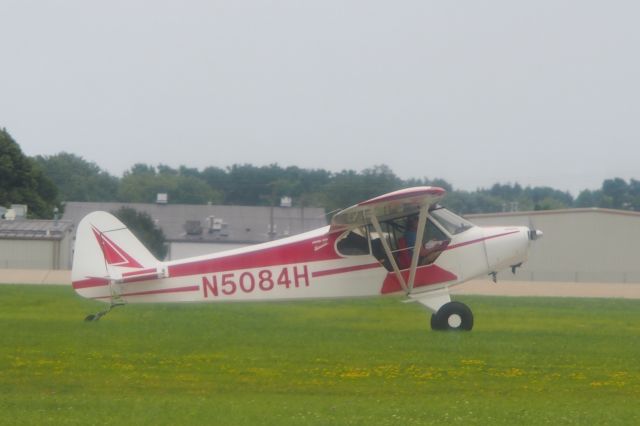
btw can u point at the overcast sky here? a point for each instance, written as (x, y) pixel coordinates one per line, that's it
(541, 92)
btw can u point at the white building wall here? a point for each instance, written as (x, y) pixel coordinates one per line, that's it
(51, 254)
(66, 252)
(27, 254)
(582, 245)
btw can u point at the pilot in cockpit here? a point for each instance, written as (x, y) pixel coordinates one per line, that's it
(430, 245)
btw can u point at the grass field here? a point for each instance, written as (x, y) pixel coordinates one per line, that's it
(368, 362)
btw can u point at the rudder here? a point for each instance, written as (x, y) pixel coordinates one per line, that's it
(107, 252)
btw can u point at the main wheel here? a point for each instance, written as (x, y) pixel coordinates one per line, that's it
(452, 316)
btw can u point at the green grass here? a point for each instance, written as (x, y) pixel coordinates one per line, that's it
(368, 362)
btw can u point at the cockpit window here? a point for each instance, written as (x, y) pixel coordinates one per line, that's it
(354, 242)
(400, 236)
(453, 223)
(397, 234)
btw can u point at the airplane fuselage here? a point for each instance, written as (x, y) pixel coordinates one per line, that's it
(305, 266)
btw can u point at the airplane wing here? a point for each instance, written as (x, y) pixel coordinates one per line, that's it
(398, 203)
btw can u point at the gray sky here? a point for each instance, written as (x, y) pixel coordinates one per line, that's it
(541, 92)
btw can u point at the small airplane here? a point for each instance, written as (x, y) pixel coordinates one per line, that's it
(400, 242)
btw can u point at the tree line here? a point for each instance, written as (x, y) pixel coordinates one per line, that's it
(45, 182)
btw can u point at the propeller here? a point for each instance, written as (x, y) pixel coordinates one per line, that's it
(534, 234)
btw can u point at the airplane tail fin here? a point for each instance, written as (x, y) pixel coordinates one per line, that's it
(107, 252)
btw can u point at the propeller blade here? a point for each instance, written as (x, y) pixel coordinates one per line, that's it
(534, 234)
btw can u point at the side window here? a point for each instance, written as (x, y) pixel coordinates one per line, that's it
(354, 242)
(396, 232)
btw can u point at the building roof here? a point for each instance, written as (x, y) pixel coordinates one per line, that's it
(214, 223)
(556, 212)
(34, 229)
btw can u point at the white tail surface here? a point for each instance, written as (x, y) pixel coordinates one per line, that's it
(107, 252)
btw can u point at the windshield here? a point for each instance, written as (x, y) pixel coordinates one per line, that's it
(453, 223)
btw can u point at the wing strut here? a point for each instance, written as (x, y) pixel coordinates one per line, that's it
(387, 251)
(422, 223)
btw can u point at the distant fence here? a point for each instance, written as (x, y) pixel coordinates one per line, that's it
(35, 276)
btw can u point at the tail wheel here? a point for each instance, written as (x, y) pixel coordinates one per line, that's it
(452, 316)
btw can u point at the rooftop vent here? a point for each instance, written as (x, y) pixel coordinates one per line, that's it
(20, 210)
(193, 227)
(217, 225)
(286, 202)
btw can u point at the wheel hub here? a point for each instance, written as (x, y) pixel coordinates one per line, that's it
(454, 321)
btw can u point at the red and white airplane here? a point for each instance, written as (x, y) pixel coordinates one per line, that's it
(400, 242)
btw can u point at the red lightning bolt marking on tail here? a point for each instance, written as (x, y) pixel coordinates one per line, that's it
(113, 254)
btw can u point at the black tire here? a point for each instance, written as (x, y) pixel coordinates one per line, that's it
(454, 316)
(434, 323)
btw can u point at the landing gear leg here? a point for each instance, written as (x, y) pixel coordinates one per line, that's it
(97, 316)
(453, 316)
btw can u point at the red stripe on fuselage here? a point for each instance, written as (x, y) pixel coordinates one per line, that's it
(466, 243)
(90, 282)
(161, 291)
(345, 269)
